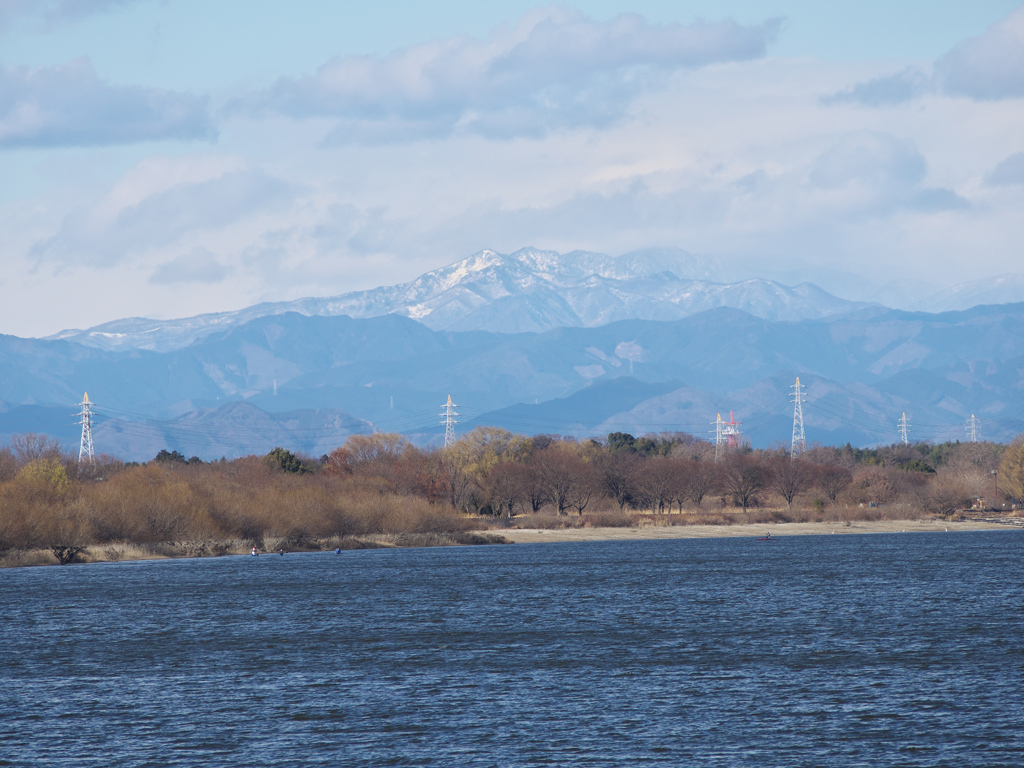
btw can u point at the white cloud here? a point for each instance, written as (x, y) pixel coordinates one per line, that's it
(53, 13)
(103, 237)
(872, 159)
(739, 160)
(879, 174)
(196, 266)
(554, 69)
(157, 174)
(884, 91)
(990, 66)
(69, 105)
(1008, 171)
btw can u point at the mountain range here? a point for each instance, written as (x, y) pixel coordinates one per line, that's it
(1002, 289)
(529, 290)
(534, 290)
(310, 381)
(535, 341)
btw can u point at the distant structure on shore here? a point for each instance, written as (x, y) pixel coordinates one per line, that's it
(448, 414)
(85, 448)
(727, 433)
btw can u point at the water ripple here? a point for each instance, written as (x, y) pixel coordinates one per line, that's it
(819, 651)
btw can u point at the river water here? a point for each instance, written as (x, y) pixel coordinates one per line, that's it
(882, 650)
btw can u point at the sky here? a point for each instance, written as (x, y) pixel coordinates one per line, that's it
(165, 158)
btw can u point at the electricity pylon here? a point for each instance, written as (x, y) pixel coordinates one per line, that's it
(904, 426)
(85, 450)
(799, 444)
(972, 429)
(719, 434)
(449, 422)
(726, 433)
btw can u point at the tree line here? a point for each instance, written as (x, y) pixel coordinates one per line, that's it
(383, 484)
(491, 471)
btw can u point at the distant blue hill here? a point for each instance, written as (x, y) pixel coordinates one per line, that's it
(311, 381)
(578, 414)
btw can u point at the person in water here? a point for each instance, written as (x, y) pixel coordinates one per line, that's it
(254, 552)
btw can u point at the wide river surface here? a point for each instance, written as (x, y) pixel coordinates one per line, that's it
(877, 650)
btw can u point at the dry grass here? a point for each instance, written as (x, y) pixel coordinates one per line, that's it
(201, 511)
(542, 521)
(553, 522)
(722, 516)
(767, 515)
(610, 519)
(435, 539)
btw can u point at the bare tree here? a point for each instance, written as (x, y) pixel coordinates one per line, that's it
(833, 480)
(103, 467)
(534, 491)
(947, 497)
(15, 519)
(455, 484)
(700, 478)
(8, 465)
(658, 482)
(827, 455)
(556, 468)
(336, 463)
(62, 531)
(1011, 470)
(374, 455)
(789, 477)
(585, 484)
(30, 446)
(619, 473)
(744, 478)
(508, 486)
(981, 457)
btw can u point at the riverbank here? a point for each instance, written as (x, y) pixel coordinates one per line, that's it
(123, 551)
(537, 535)
(129, 552)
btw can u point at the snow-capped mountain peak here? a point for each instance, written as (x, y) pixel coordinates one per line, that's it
(529, 290)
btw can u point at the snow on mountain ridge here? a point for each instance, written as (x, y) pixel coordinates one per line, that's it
(529, 290)
(1002, 289)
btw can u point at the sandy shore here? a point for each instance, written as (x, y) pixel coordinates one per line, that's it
(534, 535)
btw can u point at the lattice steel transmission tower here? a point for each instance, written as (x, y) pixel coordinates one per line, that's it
(719, 434)
(85, 450)
(799, 444)
(449, 422)
(726, 433)
(904, 426)
(973, 429)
